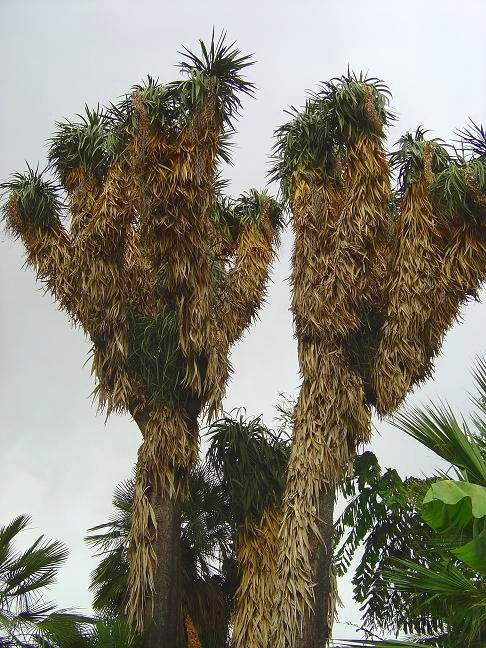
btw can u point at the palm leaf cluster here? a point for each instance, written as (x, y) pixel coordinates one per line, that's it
(27, 618)
(387, 249)
(161, 286)
(314, 140)
(423, 565)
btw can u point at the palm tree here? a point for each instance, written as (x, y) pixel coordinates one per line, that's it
(250, 462)
(423, 568)
(378, 276)
(27, 618)
(162, 273)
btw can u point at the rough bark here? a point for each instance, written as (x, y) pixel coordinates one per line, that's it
(316, 628)
(164, 624)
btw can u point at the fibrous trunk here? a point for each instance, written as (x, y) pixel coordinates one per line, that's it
(163, 619)
(318, 625)
(165, 457)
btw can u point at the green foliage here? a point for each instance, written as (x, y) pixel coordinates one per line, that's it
(385, 521)
(245, 459)
(155, 354)
(345, 99)
(26, 618)
(316, 136)
(408, 159)
(101, 136)
(207, 561)
(217, 70)
(230, 215)
(36, 200)
(459, 186)
(437, 428)
(248, 209)
(305, 144)
(413, 578)
(110, 540)
(473, 139)
(453, 504)
(251, 462)
(85, 146)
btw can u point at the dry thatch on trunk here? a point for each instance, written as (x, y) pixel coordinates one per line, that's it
(257, 553)
(139, 267)
(437, 262)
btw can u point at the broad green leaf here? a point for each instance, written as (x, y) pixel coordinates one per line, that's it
(473, 553)
(452, 504)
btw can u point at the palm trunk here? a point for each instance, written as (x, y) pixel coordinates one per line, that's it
(155, 602)
(163, 624)
(317, 626)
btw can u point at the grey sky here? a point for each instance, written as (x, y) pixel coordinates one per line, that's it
(58, 460)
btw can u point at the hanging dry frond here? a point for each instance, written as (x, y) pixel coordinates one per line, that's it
(257, 554)
(331, 418)
(192, 638)
(339, 192)
(239, 291)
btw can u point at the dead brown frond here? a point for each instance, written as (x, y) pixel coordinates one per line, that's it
(257, 553)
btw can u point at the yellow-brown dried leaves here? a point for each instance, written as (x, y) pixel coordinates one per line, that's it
(415, 263)
(256, 552)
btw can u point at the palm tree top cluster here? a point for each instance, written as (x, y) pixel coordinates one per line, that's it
(129, 227)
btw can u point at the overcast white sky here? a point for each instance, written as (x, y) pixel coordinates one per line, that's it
(59, 461)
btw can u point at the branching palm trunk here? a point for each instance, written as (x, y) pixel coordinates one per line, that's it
(135, 271)
(376, 283)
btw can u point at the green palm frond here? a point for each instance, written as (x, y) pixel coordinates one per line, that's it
(479, 373)
(345, 99)
(205, 541)
(83, 145)
(248, 209)
(110, 633)
(461, 188)
(312, 141)
(437, 428)
(156, 356)
(306, 144)
(217, 69)
(251, 461)
(26, 618)
(473, 139)
(37, 201)
(408, 159)
(21, 573)
(443, 590)
(160, 101)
